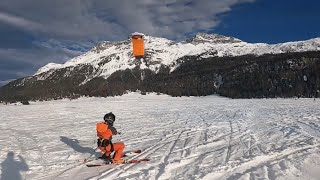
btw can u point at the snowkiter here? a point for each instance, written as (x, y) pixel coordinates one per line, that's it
(105, 131)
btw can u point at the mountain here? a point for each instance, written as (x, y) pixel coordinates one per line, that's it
(108, 57)
(212, 38)
(110, 69)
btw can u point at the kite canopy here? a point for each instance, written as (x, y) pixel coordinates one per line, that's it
(137, 44)
(137, 34)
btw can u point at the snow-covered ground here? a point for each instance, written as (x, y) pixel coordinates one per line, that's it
(185, 138)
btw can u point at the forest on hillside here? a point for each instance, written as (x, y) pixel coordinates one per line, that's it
(249, 76)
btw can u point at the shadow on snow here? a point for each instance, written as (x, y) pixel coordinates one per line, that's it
(11, 168)
(74, 144)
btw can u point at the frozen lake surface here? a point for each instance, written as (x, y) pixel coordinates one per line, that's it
(185, 137)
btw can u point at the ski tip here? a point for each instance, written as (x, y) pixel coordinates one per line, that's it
(126, 162)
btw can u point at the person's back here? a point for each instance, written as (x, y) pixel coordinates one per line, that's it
(105, 131)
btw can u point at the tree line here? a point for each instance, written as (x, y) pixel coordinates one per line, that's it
(249, 76)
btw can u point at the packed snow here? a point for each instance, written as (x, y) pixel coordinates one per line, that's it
(185, 137)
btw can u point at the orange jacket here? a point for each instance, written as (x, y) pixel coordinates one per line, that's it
(104, 131)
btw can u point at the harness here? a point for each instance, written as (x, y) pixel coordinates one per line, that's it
(104, 143)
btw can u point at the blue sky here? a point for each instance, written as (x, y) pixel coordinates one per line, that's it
(272, 21)
(36, 32)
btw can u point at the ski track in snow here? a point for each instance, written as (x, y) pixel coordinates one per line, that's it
(186, 138)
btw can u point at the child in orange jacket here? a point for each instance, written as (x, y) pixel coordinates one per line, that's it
(105, 131)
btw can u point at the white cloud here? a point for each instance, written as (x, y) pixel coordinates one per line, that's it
(17, 63)
(61, 29)
(2, 83)
(37, 57)
(168, 18)
(109, 19)
(19, 22)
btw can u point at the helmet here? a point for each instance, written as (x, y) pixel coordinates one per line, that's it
(109, 118)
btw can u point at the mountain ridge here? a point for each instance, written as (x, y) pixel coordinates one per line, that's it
(163, 51)
(207, 64)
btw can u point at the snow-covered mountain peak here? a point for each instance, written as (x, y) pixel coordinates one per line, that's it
(151, 40)
(107, 57)
(107, 44)
(48, 67)
(212, 38)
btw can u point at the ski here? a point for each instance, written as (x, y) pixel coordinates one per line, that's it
(126, 162)
(127, 154)
(137, 160)
(96, 165)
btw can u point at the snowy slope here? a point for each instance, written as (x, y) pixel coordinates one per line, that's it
(186, 138)
(109, 57)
